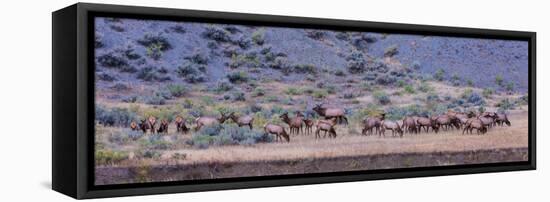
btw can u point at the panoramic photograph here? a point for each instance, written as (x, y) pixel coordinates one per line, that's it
(185, 101)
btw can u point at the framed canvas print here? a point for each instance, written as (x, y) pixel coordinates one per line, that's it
(153, 100)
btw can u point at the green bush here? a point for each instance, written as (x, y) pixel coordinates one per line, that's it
(227, 135)
(238, 77)
(155, 40)
(258, 92)
(109, 157)
(293, 91)
(113, 117)
(391, 51)
(487, 92)
(439, 74)
(356, 62)
(499, 80)
(192, 72)
(217, 34)
(176, 90)
(505, 105)
(304, 69)
(154, 51)
(155, 142)
(320, 94)
(510, 86)
(425, 87)
(409, 89)
(258, 36)
(381, 97)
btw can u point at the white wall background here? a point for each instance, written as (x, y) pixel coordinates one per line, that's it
(25, 100)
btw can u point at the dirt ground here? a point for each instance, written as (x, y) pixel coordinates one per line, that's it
(349, 151)
(306, 146)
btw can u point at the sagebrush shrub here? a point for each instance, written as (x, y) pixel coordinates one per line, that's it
(391, 51)
(356, 62)
(114, 116)
(238, 77)
(217, 34)
(157, 40)
(382, 98)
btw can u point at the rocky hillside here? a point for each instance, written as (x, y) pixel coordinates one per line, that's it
(192, 52)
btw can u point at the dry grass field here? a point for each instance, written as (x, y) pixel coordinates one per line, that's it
(305, 154)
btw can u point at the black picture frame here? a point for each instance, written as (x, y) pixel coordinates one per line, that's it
(73, 103)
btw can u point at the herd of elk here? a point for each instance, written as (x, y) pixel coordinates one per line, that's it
(448, 121)
(331, 116)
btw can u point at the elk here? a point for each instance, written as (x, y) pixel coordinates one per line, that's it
(243, 120)
(390, 125)
(134, 126)
(295, 123)
(426, 123)
(163, 127)
(502, 119)
(462, 118)
(409, 124)
(329, 113)
(474, 123)
(152, 121)
(208, 121)
(307, 122)
(488, 119)
(180, 125)
(447, 121)
(326, 126)
(372, 122)
(143, 126)
(277, 130)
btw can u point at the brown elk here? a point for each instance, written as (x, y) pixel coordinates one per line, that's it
(502, 119)
(143, 126)
(307, 122)
(372, 123)
(329, 113)
(163, 127)
(152, 121)
(208, 121)
(447, 121)
(427, 123)
(474, 123)
(409, 124)
(278, 131)
(390, 125)
(180, 125)
(243, 120)
(326, 126)
(488, 119)
(461, 117)
(295, 123)
(134, 126)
